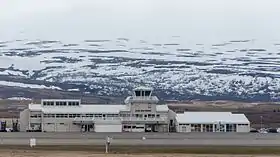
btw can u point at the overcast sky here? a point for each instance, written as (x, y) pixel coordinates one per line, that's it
(98, 19)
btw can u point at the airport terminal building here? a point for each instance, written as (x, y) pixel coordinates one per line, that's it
(140, 112)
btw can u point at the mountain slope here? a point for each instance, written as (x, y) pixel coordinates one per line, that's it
(245, 70)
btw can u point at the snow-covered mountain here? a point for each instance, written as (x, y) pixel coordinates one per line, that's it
(234, 70)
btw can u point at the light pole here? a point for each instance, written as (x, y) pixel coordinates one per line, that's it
(261, 122)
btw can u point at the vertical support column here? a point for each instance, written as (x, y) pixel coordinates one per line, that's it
(201, 127)
(42, 122)
(29, 113)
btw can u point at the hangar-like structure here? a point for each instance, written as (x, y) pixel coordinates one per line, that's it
(212, 122)
(141, 112)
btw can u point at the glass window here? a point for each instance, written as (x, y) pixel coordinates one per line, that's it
(137, 93)
(207, 128)
(196, 127)
(230, 127)
(184, 128)
(89, 115)
(147, 93)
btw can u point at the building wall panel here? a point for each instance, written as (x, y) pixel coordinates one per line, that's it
(243, 128)
(49, 127)
(108, 128)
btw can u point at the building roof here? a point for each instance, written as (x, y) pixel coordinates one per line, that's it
(162, 108)
(143, 88)
(109, 109)
(211, 117)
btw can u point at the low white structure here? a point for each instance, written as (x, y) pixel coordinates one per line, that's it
(212, 122)
(140, 113)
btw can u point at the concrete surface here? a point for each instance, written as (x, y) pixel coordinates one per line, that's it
(157, 139)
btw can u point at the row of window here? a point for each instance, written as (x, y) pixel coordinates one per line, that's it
(78, 115)
(211, 127)
(94, 115)
(35, 115)
(61, 103)
(141, 115)
(143, 110)
(55, 123)
(133, 127)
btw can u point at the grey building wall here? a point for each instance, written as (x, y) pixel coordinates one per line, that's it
(24, 120)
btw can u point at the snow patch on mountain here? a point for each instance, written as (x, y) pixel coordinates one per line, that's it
(236, 69)
(24, 85)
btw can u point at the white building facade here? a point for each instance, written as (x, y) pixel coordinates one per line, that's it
(212, 122)
(140, 113)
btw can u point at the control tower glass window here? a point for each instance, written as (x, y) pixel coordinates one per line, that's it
(147, 93)
(137, 93)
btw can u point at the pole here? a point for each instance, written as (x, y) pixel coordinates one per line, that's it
(107, 143)
(261, 122)
(106, 148)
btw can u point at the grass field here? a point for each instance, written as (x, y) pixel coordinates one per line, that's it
(8, 153)
(151, 149)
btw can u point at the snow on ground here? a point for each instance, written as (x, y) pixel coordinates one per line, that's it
(19, 98)
(177, 64)
(24, 85)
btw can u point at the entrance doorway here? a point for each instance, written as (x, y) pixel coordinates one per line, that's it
(151, 128)
(87, 128)
(220, 127)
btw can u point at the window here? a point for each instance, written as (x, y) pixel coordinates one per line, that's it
(60, 103)
(61, 115)
(147, 93)
(230, 127)
(35, 115)
(207, 127)
(48, 103)
(49, 115)
(89, 115)
(138, 115)
(137, 93)
(242, 124)
(196, 127)
(184, 128)
(73, 103)
(143, 110)
(98, 115)
(74, 115)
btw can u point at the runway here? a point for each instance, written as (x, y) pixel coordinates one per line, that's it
(151, 139)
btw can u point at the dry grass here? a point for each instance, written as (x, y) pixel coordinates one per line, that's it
(149, 149)
(8, 153)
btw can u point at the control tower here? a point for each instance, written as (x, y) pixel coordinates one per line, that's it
(142, 95)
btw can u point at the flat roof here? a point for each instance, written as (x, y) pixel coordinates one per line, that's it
(83, 109)
(211, 117)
